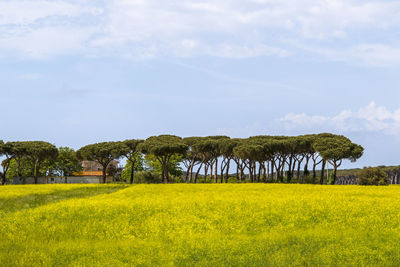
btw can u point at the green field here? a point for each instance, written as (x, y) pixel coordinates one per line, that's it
(202, 225)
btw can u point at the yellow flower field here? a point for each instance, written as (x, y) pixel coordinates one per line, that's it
(200, 225)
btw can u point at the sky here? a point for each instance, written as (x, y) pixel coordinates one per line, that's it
(79, 72)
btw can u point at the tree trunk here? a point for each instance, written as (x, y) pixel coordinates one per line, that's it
(6, 166)
(251, 172)
(223, 166)
(197, 173)
(190, 173)
(104, 174)
(272, 170)
(334, 174)
(205, 171)
(216, 171)
(277, 170)
(265, 172)
(314, 176)
(294, 166)
(237, 171)
(298, 170)
(240, 171)
(322, 172)
(166, 173)
(306, 172)
(227, 172)
(336, 165)
(211, 169)
(35, 172)
(290, 173)
(283, 169)
(132, 171)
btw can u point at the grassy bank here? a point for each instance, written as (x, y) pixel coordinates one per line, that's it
(203, 225)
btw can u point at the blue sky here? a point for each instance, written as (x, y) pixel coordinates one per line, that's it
(77, 72)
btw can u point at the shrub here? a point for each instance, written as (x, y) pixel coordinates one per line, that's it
(147, 177)
(372, 176)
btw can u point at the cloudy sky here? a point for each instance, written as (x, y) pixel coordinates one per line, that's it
(75, 72)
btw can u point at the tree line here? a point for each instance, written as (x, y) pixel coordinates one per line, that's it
(254, 159)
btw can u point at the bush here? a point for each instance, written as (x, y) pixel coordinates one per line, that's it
(372, 176)
(147, 177)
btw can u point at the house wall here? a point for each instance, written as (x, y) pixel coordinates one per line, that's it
(59, 180)
(95, 166)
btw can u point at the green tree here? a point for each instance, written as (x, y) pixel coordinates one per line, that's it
(208, 150)
(226, 148)
(102, 153)
(174, 167)
(37, 152)
(280, 154)
(67, 162)
(250, 152)
(335, 149)
(133, 154)
(271, 153)
(311, 154)
(23, 169)
(216, 152)
(17, 151)
(201, 149)
(163, 148)
(4, 164)
(292, 147)
(191, 158)
(372, 176)
(138, 165)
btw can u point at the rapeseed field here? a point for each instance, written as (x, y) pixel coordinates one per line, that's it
(199, 225)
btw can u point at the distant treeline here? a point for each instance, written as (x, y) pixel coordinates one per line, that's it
(255, 159)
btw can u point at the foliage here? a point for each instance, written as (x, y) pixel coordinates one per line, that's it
(203, 225)
(67, 162)
(26, 169)
(336, 148)
(114, 172)
(103, 153)
(163, 148)
(37, 152)
(373, 176)
(257, 158)
(64, 165)
(127, 170)
(174, 167)
(147, 177)
(133, 156)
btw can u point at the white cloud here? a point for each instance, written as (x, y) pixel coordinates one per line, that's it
(221, 28)
(28, 12)
(39, 29)
(371, 118)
